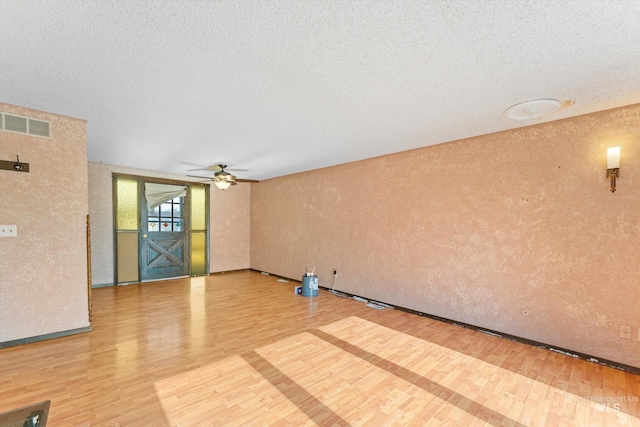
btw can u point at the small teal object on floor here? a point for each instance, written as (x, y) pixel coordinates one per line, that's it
(309, 286)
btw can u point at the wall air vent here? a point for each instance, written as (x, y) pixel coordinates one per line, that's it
(20, 124)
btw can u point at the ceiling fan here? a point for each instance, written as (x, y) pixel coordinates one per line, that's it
(221, 178)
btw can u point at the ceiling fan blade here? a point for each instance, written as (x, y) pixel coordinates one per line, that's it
(211, 168)
(221, 175)
(219, 166)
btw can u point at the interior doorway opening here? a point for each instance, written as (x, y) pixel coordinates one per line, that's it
(160, 229)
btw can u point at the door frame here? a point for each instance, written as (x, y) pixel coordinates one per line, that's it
(141, 179)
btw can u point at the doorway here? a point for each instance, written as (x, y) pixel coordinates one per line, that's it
(164, 242)
(160, 229)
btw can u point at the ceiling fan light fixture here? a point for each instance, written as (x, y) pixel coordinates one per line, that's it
(222, 184)
(223, 179)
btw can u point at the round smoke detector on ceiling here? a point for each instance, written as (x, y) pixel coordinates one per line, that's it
(534, 109)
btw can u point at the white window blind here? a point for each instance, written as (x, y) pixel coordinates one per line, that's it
(157, 194)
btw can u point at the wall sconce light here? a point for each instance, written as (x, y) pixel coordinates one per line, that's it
(613, 166)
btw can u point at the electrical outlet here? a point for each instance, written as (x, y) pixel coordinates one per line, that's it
(8, 231)
(625, 332)
(335, 272)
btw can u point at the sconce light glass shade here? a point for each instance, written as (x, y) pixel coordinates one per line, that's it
(613, 166)
(613, 158)
(222, 185)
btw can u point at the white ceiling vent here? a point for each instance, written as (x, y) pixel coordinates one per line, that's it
(20, 124)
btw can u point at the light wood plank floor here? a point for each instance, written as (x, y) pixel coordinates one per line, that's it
(240, 349)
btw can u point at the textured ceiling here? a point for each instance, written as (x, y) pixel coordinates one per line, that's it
(278, 87)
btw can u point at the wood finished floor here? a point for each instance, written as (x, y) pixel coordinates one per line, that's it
(240, 349)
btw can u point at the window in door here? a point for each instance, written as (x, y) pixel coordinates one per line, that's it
(167, 217)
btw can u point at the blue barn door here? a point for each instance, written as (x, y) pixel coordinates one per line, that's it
(164, 246)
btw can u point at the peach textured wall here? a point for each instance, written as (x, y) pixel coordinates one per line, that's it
(229, 222)
(478, 230)
(230, 228)
(101, 211)
(43, 274)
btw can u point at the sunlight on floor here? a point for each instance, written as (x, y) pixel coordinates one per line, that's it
(357, 372)
(230, 392)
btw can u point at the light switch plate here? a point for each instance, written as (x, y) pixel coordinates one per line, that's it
(625, 332)
(8, 231)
